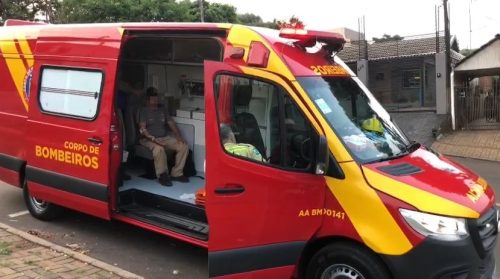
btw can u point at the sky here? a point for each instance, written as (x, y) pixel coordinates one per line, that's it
(402, 17)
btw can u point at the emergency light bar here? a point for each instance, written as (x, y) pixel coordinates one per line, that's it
(333, 42)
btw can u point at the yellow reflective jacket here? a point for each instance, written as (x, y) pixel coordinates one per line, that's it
(243, 150)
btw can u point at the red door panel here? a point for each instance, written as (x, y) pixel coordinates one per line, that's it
(257, 227)
(68, 157)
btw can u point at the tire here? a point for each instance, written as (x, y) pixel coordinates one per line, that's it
(345, 261)
(40, 209)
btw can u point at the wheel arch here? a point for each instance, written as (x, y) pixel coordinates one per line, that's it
(22, 175)
(317, 244)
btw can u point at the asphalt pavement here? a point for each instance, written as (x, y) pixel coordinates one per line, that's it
(131, 248)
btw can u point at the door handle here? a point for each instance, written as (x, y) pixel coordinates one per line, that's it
(95, 140)
(230, 190)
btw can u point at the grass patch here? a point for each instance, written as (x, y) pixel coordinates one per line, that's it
(4, 249)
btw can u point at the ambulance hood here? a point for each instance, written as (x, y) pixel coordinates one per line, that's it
(432, 183)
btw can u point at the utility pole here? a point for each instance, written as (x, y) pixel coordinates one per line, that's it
(447, 42)
(202, 12)
(470, 28)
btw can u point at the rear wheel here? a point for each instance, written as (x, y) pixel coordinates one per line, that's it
(40, 209)
(345, 261)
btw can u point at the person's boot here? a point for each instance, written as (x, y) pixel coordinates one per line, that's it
(165, 179)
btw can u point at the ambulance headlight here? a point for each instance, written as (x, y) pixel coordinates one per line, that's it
(438, 227)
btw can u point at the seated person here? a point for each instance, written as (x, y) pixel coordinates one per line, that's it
(239, 149)
(159, 133)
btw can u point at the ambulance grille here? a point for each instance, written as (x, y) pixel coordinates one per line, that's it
(484, 232)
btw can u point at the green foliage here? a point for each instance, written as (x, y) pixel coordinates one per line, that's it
(293, 22)
(101, 11)
(255, 20)
(215, 12)
(387, 38)
(80, 11)
(467, 51)
(249, 19)
(26, 9)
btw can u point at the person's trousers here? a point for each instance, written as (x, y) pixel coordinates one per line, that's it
(160, 157)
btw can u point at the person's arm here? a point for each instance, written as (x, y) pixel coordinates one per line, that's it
(145, 133)
(173, 127)
(143, 129)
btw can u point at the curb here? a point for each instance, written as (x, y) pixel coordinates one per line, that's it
(78, 256)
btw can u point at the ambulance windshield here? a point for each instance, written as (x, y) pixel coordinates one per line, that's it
(357, 118)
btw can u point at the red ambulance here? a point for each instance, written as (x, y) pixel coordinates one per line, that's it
(338, 192)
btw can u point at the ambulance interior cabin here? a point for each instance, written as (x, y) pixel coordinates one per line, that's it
(173, 65)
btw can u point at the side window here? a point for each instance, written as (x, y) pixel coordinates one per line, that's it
(300, 137)
(70, 92)
(260, 122)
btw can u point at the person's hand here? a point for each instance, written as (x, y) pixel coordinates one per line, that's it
(180, 139)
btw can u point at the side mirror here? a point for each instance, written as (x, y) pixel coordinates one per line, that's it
(322, 156)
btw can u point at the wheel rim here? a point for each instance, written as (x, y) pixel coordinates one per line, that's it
(341, 271)
(38, 204)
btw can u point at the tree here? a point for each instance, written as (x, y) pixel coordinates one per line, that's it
(33, 10)
(387, 38)
(255, 20)
(80, 11)
(214, 12)
(467, 51)
(249, 19)
(293, 22)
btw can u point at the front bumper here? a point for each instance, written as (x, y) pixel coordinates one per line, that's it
(434, 259)
(470, 258)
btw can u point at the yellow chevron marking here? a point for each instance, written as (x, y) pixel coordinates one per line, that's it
(419, 198)
(16, 66)
(25, 49)
(368, 213)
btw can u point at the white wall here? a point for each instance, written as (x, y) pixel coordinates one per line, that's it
(487, 58)
(442, 106)
(166, 79)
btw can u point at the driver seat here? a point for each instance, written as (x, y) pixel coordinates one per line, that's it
(246, 126)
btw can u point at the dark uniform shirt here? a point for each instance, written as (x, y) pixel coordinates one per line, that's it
(155, 120)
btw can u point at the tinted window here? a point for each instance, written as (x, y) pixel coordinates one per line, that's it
(260, 122)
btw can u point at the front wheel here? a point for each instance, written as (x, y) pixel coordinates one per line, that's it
(40, 209)
(345, 261)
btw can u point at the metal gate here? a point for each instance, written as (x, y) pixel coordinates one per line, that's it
(478, 108)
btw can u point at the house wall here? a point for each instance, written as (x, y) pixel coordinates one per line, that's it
(441, 91)
(487, 58)
(363, 71)
(386, 82)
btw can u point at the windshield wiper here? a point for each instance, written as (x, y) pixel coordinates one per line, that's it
(413, 146)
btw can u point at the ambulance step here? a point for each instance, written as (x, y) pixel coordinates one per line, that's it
(166, 220)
